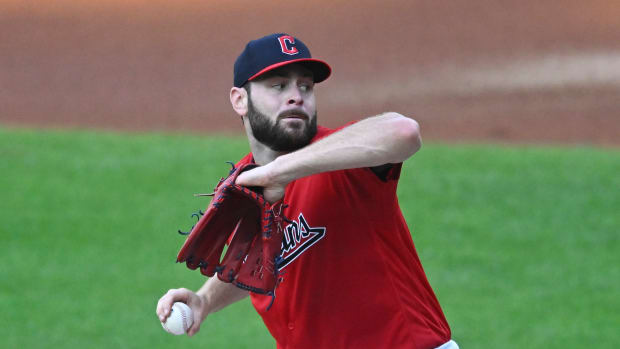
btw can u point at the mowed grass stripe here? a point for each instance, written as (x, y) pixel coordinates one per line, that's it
(88, 223)
(520, 243)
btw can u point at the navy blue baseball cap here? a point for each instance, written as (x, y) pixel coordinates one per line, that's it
(274, 51)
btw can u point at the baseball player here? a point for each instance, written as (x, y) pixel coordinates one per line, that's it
(351, 274)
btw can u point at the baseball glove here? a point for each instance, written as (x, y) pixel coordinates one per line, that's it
(252, 226)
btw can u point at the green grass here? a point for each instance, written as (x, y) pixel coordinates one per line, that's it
(520, 243)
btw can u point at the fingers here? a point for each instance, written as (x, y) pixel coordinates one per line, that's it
(195, 326)
(254, 177)
(164, 305)
(273, 194)
(245, 179)
(258, 177)
(196, 303)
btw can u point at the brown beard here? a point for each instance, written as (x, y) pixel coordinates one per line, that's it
(275, 136)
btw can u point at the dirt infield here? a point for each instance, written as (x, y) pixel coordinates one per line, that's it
(480, 70)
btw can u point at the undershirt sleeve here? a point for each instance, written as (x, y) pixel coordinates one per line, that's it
(387, 171)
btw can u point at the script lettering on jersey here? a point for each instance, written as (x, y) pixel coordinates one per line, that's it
(298, 237)
(287, 43)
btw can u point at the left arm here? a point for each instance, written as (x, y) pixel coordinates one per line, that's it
(377, 140)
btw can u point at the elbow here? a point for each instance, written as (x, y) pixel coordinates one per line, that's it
(406, 136)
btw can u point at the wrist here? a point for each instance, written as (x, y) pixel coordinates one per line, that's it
(278, 173)
(205, 304)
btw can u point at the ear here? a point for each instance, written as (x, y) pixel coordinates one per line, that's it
(239, 100)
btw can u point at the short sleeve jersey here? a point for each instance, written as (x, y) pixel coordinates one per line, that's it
(351, 274)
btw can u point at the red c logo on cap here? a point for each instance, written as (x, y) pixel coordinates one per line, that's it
(285, 42)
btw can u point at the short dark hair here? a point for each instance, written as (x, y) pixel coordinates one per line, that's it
(247, 88)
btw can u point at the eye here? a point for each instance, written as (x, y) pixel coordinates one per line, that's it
(278, 86)
(306, 87)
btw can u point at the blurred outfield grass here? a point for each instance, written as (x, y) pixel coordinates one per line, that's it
(520, 243)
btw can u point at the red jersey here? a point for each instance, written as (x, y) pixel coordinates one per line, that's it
(351, 274)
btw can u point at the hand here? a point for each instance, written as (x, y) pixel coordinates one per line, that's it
(263, 177)
(194, 301)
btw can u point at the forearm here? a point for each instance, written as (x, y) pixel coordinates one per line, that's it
(387, 138)
(218, 295)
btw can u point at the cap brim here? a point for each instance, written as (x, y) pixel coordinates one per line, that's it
(320, 69)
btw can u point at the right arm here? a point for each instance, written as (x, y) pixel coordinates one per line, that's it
(213, 296)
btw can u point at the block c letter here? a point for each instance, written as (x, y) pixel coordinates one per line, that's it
(287, 43)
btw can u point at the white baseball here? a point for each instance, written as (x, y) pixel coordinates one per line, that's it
(180, 320)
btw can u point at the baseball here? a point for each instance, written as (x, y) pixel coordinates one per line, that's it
(180, 320)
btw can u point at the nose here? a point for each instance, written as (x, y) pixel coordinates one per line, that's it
(295, 96)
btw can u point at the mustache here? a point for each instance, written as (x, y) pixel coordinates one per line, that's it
(294, 112)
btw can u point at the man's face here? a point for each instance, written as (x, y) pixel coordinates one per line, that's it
(281, 108)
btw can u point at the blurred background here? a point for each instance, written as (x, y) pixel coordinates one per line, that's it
(501, 70)
(113, 113)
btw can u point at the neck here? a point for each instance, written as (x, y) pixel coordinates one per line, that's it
(262, 153)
